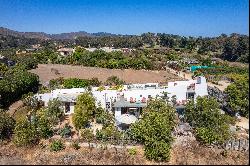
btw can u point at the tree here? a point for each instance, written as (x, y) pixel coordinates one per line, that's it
(44, 127)
(16, 82)
(7, 124)
(210, 125)
(238, 96)
(155, 128)
(103, 117)
(54, 112)
(31, 101)
(25, 133)
(84, 110)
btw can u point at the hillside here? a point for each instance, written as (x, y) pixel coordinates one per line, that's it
(42, 35)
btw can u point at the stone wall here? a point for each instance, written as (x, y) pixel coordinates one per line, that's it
(237, 144)
(221, 97)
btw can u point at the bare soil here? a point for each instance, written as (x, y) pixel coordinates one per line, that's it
(189, 154)
(128, 75)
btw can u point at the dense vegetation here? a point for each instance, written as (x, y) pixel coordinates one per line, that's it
(234, 47)
(238, 96)
(37, 124)
(84, 83)
(73, 83)
(210, 125)
(16, 82)
(154, 129)
(7, 124)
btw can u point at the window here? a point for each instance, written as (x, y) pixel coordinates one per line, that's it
(190, 95)
(67, 107)
(108, 105)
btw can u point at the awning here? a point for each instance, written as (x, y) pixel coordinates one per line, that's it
(123, 103)
(126, 119)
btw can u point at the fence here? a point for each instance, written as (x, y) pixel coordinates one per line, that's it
(237, 144)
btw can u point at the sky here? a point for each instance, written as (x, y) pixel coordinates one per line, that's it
(181, 17)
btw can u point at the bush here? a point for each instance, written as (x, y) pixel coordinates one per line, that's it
(7, 124)
(238, 96)
(25, 133)
(56, 145)
(44, 128)
(157, 150)
(132, 151)
(15, 83)
(210, 125)
(87, 135)
(76, 145)
(66, 131)
(103, 117)
(154, 129)
(84, 110)
(114, 80)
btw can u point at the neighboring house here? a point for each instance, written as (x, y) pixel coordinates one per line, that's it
(36, 46)
(215, 60)
(18, 52)
(5, 61)
(90, 49)
(190, 61)
(127, 103)
(110, 49)
(66, 51)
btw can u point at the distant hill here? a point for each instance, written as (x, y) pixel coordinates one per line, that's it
(8, 32)
(42, 35)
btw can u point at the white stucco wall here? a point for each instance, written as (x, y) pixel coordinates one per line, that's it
(178, 88)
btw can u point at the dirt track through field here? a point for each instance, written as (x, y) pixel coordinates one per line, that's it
(128, 75)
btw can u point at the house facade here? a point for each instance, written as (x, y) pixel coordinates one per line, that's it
(131, 98)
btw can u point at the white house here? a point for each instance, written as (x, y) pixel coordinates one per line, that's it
(131, 98)
(66, 51)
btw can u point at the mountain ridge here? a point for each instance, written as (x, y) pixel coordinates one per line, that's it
(43, 35)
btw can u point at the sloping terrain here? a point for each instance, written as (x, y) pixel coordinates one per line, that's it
(128, 75)
(189, 154)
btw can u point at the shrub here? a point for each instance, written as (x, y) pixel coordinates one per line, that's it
(101, 88)
(114, 80)
(76, 145)
(157, 150)
(25, 133)
(66, 131)
(7, 124)
(84, 110)
(56, 145)
(132, 151)
(44, 128)
(154, 129)
(87, 135)
(210, 125)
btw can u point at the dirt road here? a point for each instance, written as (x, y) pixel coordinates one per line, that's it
(128, 75)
